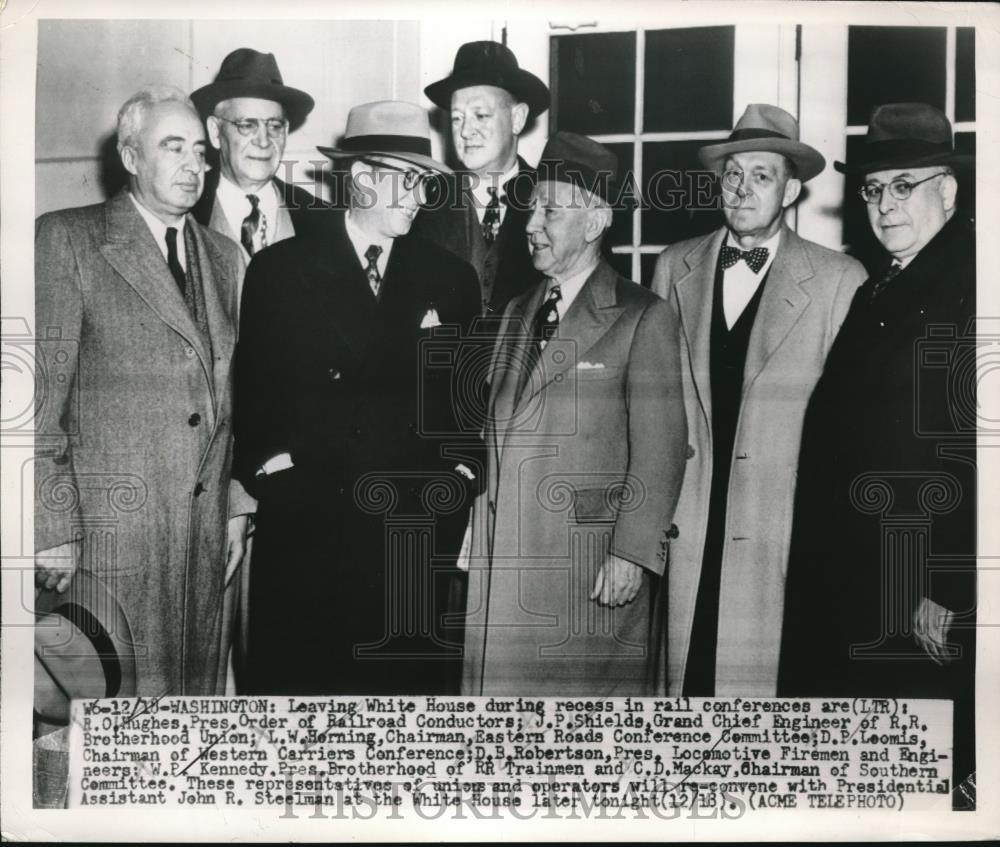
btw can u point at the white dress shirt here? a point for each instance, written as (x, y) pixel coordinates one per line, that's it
(236, 206)
(740, 283)
(481, 186)
(568, 289)
(159, 230)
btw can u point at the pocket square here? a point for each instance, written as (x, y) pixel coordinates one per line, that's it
(430, 320)
(589, 366)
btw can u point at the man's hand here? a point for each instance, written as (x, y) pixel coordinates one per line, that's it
(618, 582)
(236, 543)
(54, 568)
(931, 623)
(466, 551)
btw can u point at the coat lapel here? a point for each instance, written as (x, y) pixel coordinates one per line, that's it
(782, 303)
(591, 313)
(220, 305)
(132, 251)
(694, 297)
(343, 287)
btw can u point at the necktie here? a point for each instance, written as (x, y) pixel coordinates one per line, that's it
(544, 327)
(371, 269)
(491, 220)
(890, 275)
(173, 262)
(248, 229)
(754, 258)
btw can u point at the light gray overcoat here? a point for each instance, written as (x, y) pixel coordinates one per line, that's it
(134, 417)
(806, 296)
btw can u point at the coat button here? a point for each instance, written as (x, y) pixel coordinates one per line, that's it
(194, 420)
(189, 351)
(198, 489)
(690, 451)
(333, 374)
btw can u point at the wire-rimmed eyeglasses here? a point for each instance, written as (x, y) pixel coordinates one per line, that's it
(251, 126)
(900, 189)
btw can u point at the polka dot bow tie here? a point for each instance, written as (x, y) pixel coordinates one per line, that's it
(754, 258)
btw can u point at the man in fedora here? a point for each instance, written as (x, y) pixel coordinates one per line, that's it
(585, 445)
(347, 435)
(133, 455)
(881, 577)
(249, 112)
(759, 309)
(490, 100)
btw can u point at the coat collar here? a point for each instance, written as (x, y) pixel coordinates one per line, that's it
(132, 251)
(782, 303)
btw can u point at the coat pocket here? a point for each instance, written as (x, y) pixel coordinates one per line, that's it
(594, 505)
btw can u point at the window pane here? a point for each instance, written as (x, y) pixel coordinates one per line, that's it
(893, 65)
(965, 142)
(621, 222)
(621, 262)
(689, 79)
(648, 266)
(858, 237)
(680, 198)
(594, 83)
(965, 74)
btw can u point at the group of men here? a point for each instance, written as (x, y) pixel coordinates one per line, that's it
(462, 442)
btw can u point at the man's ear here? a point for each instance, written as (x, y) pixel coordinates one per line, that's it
(598, 220)
(949, 191)
(129, 157)
(518, 117)
(792, 190)
(212, 124)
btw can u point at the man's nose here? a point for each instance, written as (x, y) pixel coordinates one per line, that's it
(886, 202)
(534, 221)
(260, 136)
(467, 129)
(194, 162)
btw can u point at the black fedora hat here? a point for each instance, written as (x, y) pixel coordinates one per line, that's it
(581, 161)
(490, 63)
(83, 647)
(905, 135)
(249, 73)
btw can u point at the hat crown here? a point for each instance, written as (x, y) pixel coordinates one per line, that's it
(489, 54)
(576, 159)
(909, 122)
(249, 65)
(763, 117)
(387, 117)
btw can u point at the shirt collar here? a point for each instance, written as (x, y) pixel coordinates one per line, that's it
(236, 206)
(481, 186)
(159, 229)
(362, 241)
(569, 287)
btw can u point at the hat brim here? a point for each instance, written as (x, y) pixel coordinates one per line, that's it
(418, 159)
(68, 664)
(297, 104)
(957, 160)
(523, 85)
(808, 161)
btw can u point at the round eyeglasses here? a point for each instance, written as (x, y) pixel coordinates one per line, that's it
(251, 126)
(425, 185)
(900, 189)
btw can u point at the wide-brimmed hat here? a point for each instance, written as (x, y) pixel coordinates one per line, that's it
(83, 647)
(768, 129)
(490, 63)
(905, 135)
(387, 128)
(579, 160)
(249, 73)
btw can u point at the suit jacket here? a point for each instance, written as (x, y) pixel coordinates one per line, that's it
(805, 298)
(588, 460)
(134, 444)
(505, 268)
(300, 213)
(363, 395)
